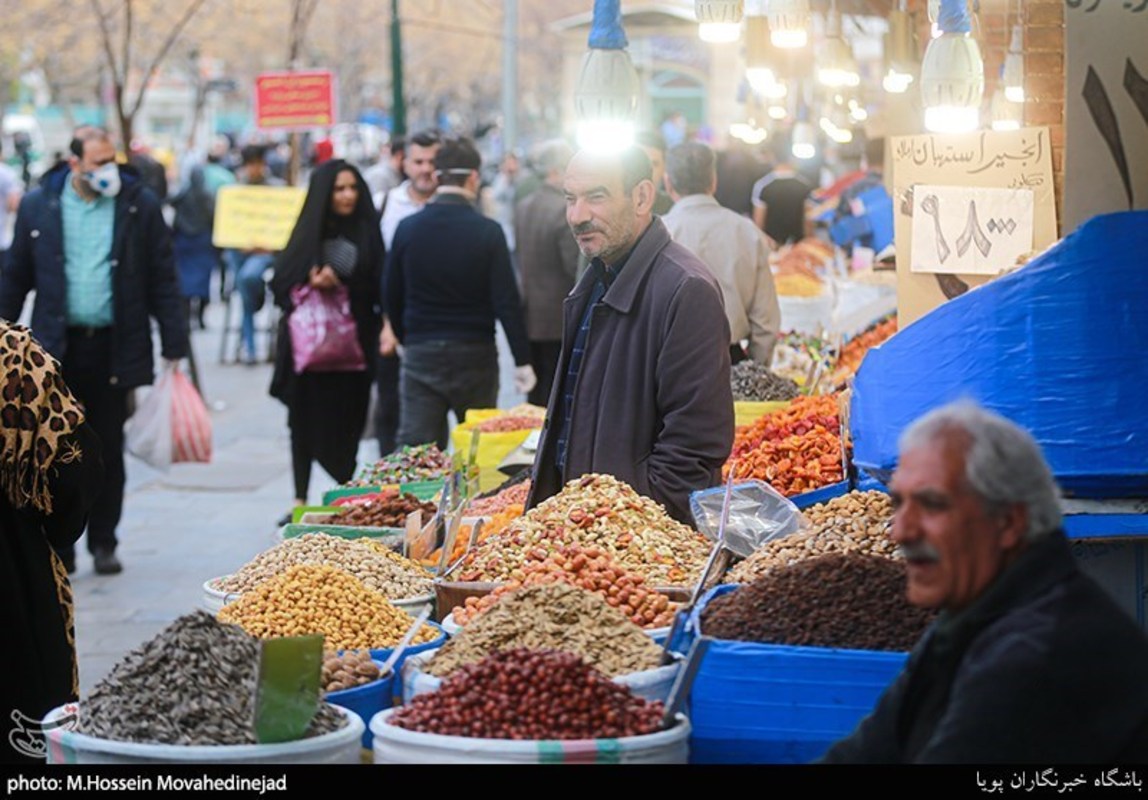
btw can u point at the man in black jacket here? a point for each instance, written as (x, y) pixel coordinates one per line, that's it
(1029, 661)
(92, 242)
(447, 279)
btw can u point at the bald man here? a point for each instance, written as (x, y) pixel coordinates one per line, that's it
(642, 390)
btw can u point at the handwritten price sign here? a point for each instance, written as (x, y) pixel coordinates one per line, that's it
(285, 100)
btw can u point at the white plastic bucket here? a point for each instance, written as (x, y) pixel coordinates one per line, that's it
(652, 684)
(415, 605)
(213, 599)
(394, 745)
(338, 747)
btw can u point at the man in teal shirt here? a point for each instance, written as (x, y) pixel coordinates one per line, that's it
(92, 242)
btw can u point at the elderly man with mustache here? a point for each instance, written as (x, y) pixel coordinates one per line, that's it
(642, 388)
(1029, 661)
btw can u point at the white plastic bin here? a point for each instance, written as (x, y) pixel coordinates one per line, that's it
(338, 747)
(394, 745)
(213, 599)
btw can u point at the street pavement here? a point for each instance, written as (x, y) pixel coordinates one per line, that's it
(199, 521)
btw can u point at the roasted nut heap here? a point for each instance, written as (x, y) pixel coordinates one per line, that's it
(507, 422)
(321, 599)
(378, 571)
(845, 600)
(853, 523)
(590, 569)
(553, 617)
(347, 670)
(595, 511)
(755, 382)
(406, 465)
(388, 513)
(193, 684)
(511, 495)
(530, 695)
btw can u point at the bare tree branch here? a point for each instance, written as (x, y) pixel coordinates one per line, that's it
(106, 38)
(161, 54)
(127, 43)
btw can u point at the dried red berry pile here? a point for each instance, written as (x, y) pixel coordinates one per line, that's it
(530, 695)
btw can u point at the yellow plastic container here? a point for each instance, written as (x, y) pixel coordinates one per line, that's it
(492, 447)
(747, 412)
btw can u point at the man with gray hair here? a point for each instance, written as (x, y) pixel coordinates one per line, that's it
(1029, 660)
(733, 248)
(548, 263)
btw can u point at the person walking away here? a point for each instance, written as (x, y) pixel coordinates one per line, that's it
(733, 248)
(779, 198)
(92, 241)
(643, 388)
(548, 263)
(335, 243)
(399, 203)
(195, 255)
(247, 267)
(50, 471)
(448, 278)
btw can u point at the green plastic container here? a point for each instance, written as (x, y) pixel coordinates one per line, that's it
(423, 490)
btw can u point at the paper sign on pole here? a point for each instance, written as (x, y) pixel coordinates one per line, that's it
(256, 217)
(286, 100)
(1015, 160)
(970, 231)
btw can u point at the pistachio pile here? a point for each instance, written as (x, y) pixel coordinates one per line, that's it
(379, 571)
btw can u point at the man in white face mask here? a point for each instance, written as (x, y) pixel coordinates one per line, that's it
(92, 242)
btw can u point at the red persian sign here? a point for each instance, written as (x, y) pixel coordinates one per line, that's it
(295, 99)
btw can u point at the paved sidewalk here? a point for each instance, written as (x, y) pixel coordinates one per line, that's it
(198, 521)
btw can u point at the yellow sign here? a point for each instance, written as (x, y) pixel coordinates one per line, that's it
(256, 217)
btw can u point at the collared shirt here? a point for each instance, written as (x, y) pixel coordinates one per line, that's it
(88, 230)
(398, 205)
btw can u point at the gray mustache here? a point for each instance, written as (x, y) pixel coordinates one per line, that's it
(920, 551)
(585, 227)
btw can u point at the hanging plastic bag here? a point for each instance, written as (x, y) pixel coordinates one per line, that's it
(757, 514)
(172, 425)
(324, 337)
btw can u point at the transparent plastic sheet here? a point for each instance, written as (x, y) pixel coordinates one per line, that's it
(757, 514)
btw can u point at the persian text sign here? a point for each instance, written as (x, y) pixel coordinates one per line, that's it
(295, 99)
(256, 217)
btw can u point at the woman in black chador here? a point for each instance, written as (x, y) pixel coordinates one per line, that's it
(336, 242)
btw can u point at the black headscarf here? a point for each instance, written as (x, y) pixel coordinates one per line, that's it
(316, 223)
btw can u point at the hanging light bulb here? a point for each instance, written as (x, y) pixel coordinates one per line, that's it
(804, 140)
(900, 51)
(1006, 115)
(788, 22)
(719, 21)
(758, 52)
(953, 74)
(1013, 77)
(777, 112)
(836, 65)
(606, 95)
(857, 112)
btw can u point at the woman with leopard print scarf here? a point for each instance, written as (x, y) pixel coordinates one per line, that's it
(49, 473)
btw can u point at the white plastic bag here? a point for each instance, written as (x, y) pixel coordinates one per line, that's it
(757, 514)
(171, 425)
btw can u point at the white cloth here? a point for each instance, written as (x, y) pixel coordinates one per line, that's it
(400, 205)
(737, 254)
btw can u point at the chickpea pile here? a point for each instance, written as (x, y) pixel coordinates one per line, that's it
(589, 569)
(312, 598)
(853, 523)
(396, 579)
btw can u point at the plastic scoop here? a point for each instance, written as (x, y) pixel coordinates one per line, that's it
(389, 665)
(287, 688)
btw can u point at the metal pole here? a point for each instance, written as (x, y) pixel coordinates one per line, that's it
(398, 104)
(509, 75)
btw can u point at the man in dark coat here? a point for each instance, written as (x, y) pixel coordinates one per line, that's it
(548, 260)
(1029, 662)
(642, 390)
(92, 242)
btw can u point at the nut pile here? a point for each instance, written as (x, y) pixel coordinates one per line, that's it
(380, 572)
(553, 617)
(754, 382)
(853, 523)
(321, 599)
(842, 600)
(507, 422)
(493, 526)
(388, 513)
(595, 511)
(589, 569)
(193, 684)
(348, 670)
(406, 465)
(794, 450)
(530, 695)
(511, 495)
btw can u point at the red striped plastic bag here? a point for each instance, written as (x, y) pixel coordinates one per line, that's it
(190, 422)
(171, 424)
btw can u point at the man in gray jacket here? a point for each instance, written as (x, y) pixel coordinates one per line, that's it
(643, 390)
(548, 261)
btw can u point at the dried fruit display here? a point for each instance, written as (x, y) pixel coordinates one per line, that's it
(391, 512)
(511, 495)
(506, 423)
(795, 450)
(853, 351)
(406, 465)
